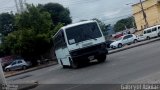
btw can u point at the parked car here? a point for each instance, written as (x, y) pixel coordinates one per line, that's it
(18, 64)
(7, 60)
(108, 42)
(141, 38)
(126, 39)
(151, 32)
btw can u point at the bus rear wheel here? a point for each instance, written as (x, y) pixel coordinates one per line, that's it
(102, 58)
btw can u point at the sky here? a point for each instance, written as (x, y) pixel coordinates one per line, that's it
(108, 11)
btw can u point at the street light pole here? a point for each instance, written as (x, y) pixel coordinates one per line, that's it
(144, 14)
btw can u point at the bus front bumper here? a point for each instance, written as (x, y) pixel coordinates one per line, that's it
(87, 55)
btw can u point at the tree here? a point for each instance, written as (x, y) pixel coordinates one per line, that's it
(33, 37)
(59, 14)
(101, 24)
(40, 22)
(2, 53)
(124, 23)
(35, 28)
(6, 23)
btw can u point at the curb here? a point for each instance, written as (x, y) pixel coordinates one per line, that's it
(7, 76)
(147, 42)
(28, 87)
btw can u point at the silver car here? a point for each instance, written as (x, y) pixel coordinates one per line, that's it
(126, 39)
(17, 64)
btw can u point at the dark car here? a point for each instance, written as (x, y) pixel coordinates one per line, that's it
(108, 42)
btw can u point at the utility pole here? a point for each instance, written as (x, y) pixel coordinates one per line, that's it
(17, 7)
(20, 5)
(144, 14)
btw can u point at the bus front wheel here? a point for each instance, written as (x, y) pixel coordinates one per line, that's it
(74, 64)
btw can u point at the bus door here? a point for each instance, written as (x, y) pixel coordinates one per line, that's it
(65, 52)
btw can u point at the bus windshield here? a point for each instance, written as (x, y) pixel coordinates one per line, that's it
(83, 32)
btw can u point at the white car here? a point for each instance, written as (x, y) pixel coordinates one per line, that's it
(126, 39)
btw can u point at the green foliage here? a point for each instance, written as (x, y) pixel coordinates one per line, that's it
(124, 23)
(59, 14)
(103, 26)
(33, 30)
(55, 30)
(40, 22)
(6, 23)
(33, 36)
(2, 52)
(27, 43)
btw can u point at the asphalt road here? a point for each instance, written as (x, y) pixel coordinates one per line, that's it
(137, 65)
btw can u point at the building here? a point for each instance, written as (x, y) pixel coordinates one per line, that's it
(151, 10)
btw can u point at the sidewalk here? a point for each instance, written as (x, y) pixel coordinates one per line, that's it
(22, 86)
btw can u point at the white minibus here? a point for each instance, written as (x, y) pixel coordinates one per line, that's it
(80, 43)
(151, 32)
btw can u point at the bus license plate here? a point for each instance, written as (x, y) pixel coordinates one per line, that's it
(91, 57)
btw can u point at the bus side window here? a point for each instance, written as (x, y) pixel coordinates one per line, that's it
(63, 42)
(149, 31)
(63, 37)
(57, 41)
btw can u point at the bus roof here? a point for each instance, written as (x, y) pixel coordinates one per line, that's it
(79, 23)
(152, 27)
